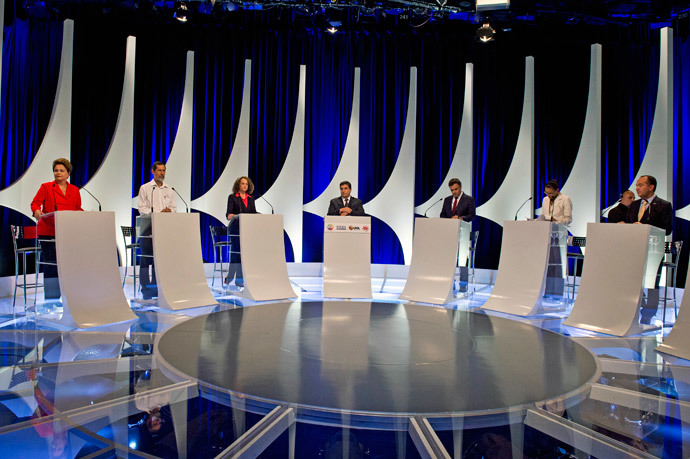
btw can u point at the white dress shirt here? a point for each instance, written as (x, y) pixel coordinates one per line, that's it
(163, 197)
(560, 211)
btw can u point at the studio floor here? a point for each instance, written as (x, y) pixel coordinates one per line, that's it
(315, 377)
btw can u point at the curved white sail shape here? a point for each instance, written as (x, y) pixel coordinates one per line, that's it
(286, 192)
(56, 142)
(214, 201)
(394, 205)
(658, 159)
(462, 165)
(179, 165)
(517, 185)
(349, 163)
(584, 182)
(112, 182)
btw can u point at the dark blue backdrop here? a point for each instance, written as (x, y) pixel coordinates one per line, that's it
(31, 53)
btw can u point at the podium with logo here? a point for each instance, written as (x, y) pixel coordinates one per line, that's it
(347, 257)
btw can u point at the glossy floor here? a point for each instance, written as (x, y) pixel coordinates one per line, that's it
(105, 392)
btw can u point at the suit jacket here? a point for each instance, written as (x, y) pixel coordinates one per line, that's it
(355, 204)
(659, 213)
(464, 209)
(236, 206)
(618, 213)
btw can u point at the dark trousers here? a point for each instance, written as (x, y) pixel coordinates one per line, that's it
(651, 303)
(235, 266)
(51, 283)
(147, 271)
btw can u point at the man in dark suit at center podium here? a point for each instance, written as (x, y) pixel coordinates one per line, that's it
(346, 205)
(458, 204)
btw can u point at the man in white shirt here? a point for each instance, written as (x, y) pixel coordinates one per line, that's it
(154, 196)
(556, 207)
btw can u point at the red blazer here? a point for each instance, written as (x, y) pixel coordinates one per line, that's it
(51, 198)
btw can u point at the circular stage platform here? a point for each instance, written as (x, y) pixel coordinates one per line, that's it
(376, 357)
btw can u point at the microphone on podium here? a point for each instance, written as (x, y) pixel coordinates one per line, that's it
(521, 206)
(185, 202)
(94, 197)
(429, 208)
(271, 206)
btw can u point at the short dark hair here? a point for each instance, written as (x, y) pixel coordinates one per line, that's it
(651, 180)
(236, 186)
(345, 182)
(65, 162)
(155, 165)
(553, 184)
(454, 181)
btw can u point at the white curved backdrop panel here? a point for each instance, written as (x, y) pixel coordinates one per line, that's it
(286, 192)
(584, 182)
(179, 163)
(112, 182)
(462, 165)
(517, 185)
(214, 201)
(658, 158)
(348, 169)
(394, 205)
(56, 142)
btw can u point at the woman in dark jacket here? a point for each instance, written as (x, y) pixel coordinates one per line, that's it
(240, 201)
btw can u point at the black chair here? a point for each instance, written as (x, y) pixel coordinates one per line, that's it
(580, 242)
(220, 240)
(129, 235)
(670, 264)
(21, 234)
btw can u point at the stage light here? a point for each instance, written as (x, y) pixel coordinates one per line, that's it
(486, 32)
(485, 5)
(181, 12)
(332, 29)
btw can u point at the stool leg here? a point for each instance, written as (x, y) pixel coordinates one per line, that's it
(16, 280)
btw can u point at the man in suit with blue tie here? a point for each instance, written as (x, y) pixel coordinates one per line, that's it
(346, 205)
(650, 209)
(461, 206)
(458, 204)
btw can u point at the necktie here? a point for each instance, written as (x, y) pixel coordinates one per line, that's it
(347, 201)
(643, 208)
(455, 205)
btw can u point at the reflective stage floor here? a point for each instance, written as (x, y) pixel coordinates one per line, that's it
(318, 378)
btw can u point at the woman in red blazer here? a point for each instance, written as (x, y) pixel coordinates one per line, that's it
(51, 197)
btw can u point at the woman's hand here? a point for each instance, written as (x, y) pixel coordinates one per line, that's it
(37, 214)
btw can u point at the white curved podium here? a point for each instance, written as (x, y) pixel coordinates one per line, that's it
(178, 262)
(521, 277)
(677, 342)
(347, 257)
(86, 251)
(434, 256)
(262, 250)
(618, 264)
